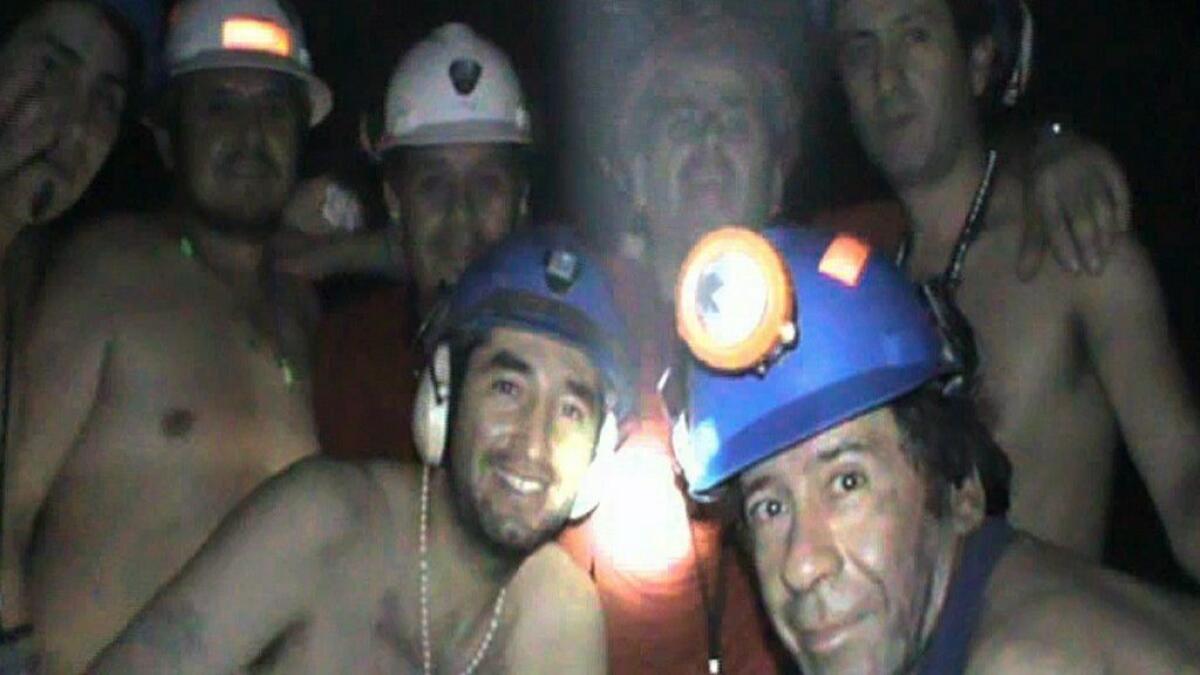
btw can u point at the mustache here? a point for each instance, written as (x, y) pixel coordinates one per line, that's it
(519, 465)
(817, 609)
(255, 159)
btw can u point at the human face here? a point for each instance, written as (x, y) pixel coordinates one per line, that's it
(63, 86)
(905, 74)
(238, 146)
(454, 201)
(707, 160)
(524, 435)
(853, 566)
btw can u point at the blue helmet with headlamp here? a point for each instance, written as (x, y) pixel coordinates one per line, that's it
(543, 281)
(834, 330)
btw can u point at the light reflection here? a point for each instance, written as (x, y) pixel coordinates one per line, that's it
(642, 525)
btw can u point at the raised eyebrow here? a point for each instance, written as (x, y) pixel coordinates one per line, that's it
(827, 455)
(506, 360)
(755, 485)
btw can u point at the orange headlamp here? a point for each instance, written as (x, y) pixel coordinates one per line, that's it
(734, 303)
(256, 35)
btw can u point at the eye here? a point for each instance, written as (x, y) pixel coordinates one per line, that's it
(110, 102)
(507, 388)
(574, 412)
(763, 510)
(849, 481)
(683, 122)
(218, 105)
(737, 123)
(917, 35)
(431, 184)
(855, 52)
(278, 107)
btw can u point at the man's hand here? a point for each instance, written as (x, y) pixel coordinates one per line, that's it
(323, 235)
(1077, 202)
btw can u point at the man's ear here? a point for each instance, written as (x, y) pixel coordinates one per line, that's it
(523, 204)
(968, 504)
(392, 202)
(636, 180)
(778, 176)
(370, 127)
(162, 141)
(983, 55)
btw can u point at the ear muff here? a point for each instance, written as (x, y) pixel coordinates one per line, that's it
(591, 489)
(431, 409)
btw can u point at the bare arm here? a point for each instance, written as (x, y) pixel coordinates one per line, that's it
(1129, 340)
(58, 383)
(257, 575)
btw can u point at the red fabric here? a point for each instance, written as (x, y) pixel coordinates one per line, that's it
(364, 379)
(880, 223)
(656, 622)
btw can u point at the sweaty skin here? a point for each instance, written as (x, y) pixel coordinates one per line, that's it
(154, 403)
(1068, 365)
(319, 572)
(855, 567)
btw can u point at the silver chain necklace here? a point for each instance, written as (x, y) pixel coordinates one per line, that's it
(426, 642)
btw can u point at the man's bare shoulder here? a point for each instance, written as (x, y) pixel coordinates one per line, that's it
(552, 564)
(1050, 612)
(561, 624)
(331, 500)
(119, 236)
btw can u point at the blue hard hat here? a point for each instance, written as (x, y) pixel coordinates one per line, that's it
(859, 343)
(546, 281)
(144, 20)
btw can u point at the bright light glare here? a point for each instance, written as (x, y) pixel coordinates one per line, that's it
(642, 524)
(733, 298)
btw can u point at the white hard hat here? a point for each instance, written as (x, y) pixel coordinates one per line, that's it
(211, 34)
(454, 87)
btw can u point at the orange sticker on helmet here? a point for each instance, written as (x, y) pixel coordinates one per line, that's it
(256, 35)
(845, 260)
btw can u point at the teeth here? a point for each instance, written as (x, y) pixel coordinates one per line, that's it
(522, 485)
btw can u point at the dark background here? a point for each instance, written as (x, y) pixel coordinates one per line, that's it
(1123, 72)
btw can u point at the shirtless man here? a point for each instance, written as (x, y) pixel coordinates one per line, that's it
(872, 501)
(394, 567)
(1069, 363)
(164, 375)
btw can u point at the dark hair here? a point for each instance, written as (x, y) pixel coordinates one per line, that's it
(946, 441)
(1000, 20)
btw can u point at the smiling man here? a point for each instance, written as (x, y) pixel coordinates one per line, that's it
(873, 500)
(393, 567)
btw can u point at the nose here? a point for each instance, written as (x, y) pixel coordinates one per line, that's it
(812, 555)
(461, 217)
(888, 67)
